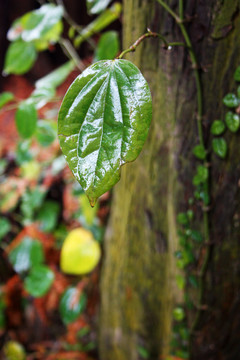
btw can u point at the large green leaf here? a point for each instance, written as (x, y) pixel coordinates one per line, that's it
(72, 304)
(26, 119)
(19, 58)
(103, 123)
(96, 6)
(39, 280)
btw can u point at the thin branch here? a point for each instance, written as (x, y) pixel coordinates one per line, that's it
(71, 53)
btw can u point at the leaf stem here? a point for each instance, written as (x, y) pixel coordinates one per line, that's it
(167, 45)
(71, 53)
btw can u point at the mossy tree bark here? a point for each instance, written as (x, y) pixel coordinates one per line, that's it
(138, 288)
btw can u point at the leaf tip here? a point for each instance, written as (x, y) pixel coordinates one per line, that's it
(92, 201)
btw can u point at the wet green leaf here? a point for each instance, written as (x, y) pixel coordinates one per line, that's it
(56, 77)
(46, 132)
(232, 121)
(217, 127)
(19, 58)
(231, 100)
(28, 253)
(108, 46)
(39, 280)
(100, 23)
(97, 6)
(72, 304)
(4, 227)
(26, 119)
(48, 215)
(103, 123)
(5, 97)
(220, 147)
(237, 74)
(199, 152)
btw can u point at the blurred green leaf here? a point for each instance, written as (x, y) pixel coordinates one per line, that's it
(101, 22)
(201, 176)
(4, 227)
(26, 119)
(199, 152)
(180, 280)
(217, 127)
(143, 352)
(26, 255)
(182, 218)
(48, 215)
(72, 304)
(231, 100)
(3, 165)
(178, 314)
(108, 46)
(31, 201)
(46, 132)
(97, 6)
(232, 121)
(22, 153)
(5, 97)
(196, 236)
(237, 74)
(41, 96)
(56, 77)
(19, 58)
(37, 24)
(39, 280)
(220, 147)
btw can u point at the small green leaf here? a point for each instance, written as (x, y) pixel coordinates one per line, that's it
(143, 352)
(26, 119)
(46, 132)
(5, 97)
(190, 214)
(237, 74)
(217, 127)
(232, 121)
(108, 46)
(182, 218)
(31, 201)
(196, 236)
(100, 23)
(28, 253)
(178, 314)
(22, 153)
(56, 77)
(72, 304)
(181, 282)
(231, 100)
(193, 281)
(199, 152)
(20, 57)
(4, 227)
(97, 6)
(201, 176)
(39, 280)
(103, 123)
(48, 215)
(220, 147)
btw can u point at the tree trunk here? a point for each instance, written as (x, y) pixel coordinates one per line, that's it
(138, 286)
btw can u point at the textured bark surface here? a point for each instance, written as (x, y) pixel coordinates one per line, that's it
(138, 289)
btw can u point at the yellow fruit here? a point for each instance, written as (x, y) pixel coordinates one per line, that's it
(14, 351)
(80, 252)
